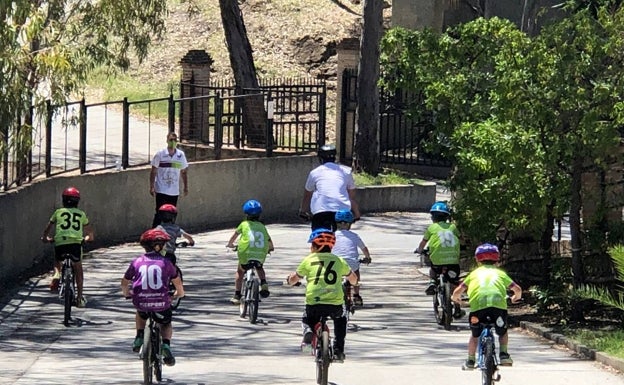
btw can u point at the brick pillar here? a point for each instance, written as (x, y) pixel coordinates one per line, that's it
(348, 57)
(418, 14)
(194, 113)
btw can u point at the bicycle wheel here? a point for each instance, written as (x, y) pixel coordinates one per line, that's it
(325, 358)
(438, 311)
(254, 301)
(448, 306)
(487, 373)
(148, 356)
(157, 358)
(68, 294)
(243, 300)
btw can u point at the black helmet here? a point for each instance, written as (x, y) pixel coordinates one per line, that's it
(327, 153)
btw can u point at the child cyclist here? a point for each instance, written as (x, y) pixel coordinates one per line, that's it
(442, 238)
(168, 214)
(71, 228)
(487, 292)
(254, 244)
(149, 276)
(324, 295)
(347, 245)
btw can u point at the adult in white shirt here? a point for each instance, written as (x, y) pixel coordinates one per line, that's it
(329, 188)
(168, 166)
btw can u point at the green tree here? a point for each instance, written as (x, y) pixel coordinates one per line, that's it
(615, 296)
(49, 48)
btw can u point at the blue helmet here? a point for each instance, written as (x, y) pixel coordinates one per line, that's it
(252, 207)
(440, 207)
(344, 216)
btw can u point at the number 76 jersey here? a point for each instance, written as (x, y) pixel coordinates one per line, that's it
(323, 273)
(150, 275)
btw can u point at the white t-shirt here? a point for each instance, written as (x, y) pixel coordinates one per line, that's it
(168, 172)
(329, 184)
(347, 245)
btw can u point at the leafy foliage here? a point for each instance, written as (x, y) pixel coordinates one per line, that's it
(613, 297)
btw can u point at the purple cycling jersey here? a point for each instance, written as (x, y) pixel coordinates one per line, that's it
(150, 275)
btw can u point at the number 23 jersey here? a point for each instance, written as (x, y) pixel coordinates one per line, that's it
(150, 275)
(323, 273)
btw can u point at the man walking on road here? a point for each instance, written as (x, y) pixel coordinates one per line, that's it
(168, 165)
(329, 188)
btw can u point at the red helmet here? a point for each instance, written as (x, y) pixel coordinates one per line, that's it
(487, 252)
(71, 197)
(153, 237)
(71, 192)
(168, 208)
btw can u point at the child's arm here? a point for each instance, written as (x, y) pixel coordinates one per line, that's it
(271, 247)
(421, 246)
(46, 233)
(367, 258)
(188, 237)
(88, 230)
(125, 287)
(459, 290)
(230, 243)
(517, 292)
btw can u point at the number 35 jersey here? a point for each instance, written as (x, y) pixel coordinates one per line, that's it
(323, 273)
(69, 223)
(150, 275)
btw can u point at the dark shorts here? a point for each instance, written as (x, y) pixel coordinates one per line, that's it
(490, 314)
(74, 249)
(453, 269)
(162, 317)
(324, 220)
(250, 264)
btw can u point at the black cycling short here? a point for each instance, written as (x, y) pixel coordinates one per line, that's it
(75, 249)
(490, 314)
(162, 317)
(452, 278)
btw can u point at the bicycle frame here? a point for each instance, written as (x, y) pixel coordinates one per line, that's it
(487, 360)
(322, 350)
(150, 352)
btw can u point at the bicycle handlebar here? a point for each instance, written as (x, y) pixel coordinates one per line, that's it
(184, 244)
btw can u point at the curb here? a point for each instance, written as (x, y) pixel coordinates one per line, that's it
(582, 350)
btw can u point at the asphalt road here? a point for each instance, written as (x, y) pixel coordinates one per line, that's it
(393, 340)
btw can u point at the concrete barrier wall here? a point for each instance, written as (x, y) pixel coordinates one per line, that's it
(120, 208)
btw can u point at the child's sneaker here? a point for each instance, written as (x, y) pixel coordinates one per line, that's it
(168, 357)
(136, 345)
(264, 290)
(431, 288)
(81, 302)
(236, 299)
(505, 359)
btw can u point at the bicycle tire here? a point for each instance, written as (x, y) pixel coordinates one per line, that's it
(68, 295)
(487, 374)
(157, 358)
(254, 302)
(242, 308)
(147, 356)
(325, 358)
(437, 307)
(447, 309)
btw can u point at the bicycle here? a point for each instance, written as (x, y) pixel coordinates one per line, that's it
(67, 287)
(250, 292)
(487, 360)
(150, 352)
(348, 292)
(442, 304)
(175, 301)
(322, 350)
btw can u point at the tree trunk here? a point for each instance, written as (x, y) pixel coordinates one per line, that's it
(241, 60)
(367, 134)
(575, 232)
(546, 244)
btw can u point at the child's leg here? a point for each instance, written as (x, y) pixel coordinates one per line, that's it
(472, 346)
(238, 282)
(356, 288)
(261, 274)
(504, 342)
(79, 277)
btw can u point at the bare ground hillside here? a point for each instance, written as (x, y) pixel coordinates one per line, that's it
(290, 39)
